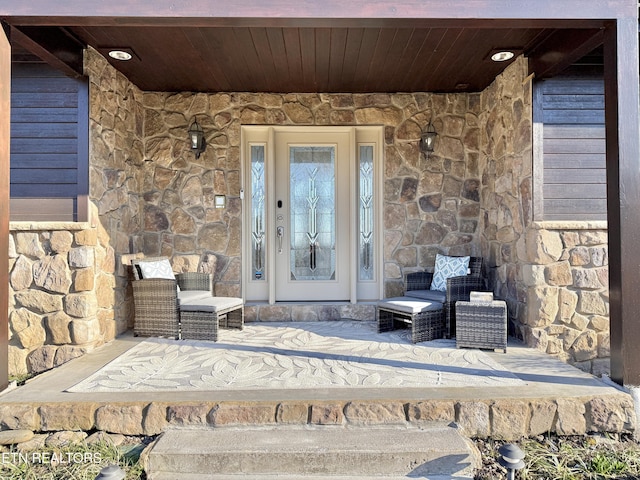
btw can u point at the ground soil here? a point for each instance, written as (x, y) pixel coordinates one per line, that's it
(580, 444)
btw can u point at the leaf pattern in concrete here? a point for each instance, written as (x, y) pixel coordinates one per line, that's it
(297, 355)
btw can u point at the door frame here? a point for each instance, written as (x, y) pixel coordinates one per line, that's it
(370, 135)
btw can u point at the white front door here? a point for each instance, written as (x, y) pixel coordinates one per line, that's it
(312, 216)
(312, 213)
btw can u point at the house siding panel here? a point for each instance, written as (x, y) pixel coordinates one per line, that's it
(574, 174)
(47, 128)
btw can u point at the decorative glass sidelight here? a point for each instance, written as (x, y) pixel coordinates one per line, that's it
(312, 187)
(365, 195)
(257, 212)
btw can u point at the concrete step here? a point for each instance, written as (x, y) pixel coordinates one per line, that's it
(435, 451)
(208, 476)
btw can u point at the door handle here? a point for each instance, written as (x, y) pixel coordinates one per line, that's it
(280, 234)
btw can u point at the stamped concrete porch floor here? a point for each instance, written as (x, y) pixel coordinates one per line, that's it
(525, 393)
(300, 355)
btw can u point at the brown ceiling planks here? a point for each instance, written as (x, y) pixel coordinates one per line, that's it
(310, 59)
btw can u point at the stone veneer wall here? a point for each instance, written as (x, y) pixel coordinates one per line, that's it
(568, 293)
(506, 199)
(554, 276)
(116, 174)
(52, 297)
(430, 206)
(68, 293)
(149, 194)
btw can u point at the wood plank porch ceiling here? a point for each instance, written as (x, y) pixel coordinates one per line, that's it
(300, 56)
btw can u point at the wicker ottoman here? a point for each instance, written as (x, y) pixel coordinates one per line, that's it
(201, 319)
(425, 317)
(482, 325)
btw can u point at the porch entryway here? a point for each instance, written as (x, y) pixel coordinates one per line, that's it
(534, 393)
(312, 226)
(487, 394)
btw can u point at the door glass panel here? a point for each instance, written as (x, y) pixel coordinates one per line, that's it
(312, 187)
(365, 202)
(257, 212)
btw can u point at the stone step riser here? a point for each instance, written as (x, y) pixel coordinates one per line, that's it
(306, 463)
(311, 453)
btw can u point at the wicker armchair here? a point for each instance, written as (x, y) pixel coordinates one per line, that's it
(458, 288)
(157, 300)
(156, 311)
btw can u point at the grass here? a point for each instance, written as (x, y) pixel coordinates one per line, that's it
(21, 379)
(72, 462)
(549, 457)
(568, 458)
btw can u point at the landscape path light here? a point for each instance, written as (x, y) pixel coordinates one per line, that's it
(112, 472)
(511, 458)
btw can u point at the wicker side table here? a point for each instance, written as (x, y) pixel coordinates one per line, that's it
(481, 325)
(425, 317)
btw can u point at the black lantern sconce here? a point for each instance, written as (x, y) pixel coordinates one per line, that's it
(428, 140)
(197, 141)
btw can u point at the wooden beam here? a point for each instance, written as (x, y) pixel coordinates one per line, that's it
(283, 12)
(316, 22)
(5, 138)
(570, 45)
(483, 9)
(53, 47)
(622, 102)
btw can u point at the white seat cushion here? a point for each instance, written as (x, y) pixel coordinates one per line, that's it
(211, 304)
(409, 305)
(186, 296)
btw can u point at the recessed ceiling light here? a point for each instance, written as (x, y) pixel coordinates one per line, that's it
(502, 56)
(120, 55)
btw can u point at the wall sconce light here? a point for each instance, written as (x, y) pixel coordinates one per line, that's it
(197, 141)
(428, 139)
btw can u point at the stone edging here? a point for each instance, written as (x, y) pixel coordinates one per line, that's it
(568, 225)
(504, 419)
(49, 226)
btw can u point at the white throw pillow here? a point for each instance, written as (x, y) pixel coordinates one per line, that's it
(447, 267)
(157, 269)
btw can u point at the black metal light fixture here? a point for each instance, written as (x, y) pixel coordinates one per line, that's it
(197, 141)
(511, 458)
(428, 139)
